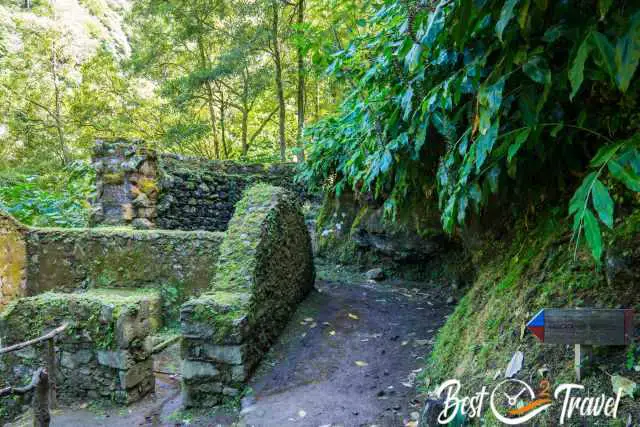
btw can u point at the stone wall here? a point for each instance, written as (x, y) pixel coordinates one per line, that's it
(13, 261)
(265, 269)
(139, 187)
(71, 259)
(103, 354)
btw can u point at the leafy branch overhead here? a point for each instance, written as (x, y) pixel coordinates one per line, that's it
(480, 99)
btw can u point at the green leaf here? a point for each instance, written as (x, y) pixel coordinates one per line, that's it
(537, 69)
(604, 154)
(627, 57)
(602, 203)
(485, 143)
(406, 103)
(435, 25)
(521, 138)
(592, 233)
(607, 53)
(627, 177)
(576, 72)
(412, 60)
(506, 14)
(578, 201)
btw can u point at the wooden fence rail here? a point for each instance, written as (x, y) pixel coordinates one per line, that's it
(43, 380)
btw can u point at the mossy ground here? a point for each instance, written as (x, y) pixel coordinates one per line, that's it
(537, 267)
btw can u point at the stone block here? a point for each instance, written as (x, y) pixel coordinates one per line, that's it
(119, 359)
(198, 370)
(135, 374)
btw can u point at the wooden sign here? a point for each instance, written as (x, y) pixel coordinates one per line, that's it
(583, 326)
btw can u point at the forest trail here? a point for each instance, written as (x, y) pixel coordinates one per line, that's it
(350, 356)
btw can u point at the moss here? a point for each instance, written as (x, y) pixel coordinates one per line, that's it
(94, 313)
(148, 186)
(532, 268)
(115, 178)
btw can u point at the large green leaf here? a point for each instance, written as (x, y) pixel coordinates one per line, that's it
(602, 203)
(484, 144)
(506, 14)
(576, 72)
(521, 138)
(435, 24)
(592, 233)
(538, 70)
(606, 51)
(627, 57)
(627, 177)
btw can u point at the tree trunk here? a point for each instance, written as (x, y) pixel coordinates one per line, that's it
(59, 125)
(222, 131)
(301, 92)
(245, 120)
(279, 86)
(209, 94)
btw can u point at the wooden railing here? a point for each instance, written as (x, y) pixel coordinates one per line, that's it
(43, 381)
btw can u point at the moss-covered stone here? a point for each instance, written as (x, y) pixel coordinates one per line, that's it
(13, 259)
(535, 266)
(103, 353)
(265, 268)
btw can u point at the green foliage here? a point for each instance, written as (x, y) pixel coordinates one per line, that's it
(482, 99)
(56, 199)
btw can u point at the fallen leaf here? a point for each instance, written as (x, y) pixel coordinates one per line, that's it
(625, 385)
(332, 333)
(411, 424)
(302, 413)
(421, 342)
(361, 363)
(313, 325)
(404, 343)
(308, 319)
(304, 335)
(408, 385)
(353, 316)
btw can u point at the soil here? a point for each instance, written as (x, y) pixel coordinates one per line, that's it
(349, 357)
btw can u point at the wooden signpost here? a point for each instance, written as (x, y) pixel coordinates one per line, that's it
(583, 327)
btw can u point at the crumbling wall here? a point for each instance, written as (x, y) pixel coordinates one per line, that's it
(265, 269)
(13, 259)
(139, 187)
(103, 354)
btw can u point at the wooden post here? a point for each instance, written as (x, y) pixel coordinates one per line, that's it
(582, 353)
(51, 368)
(578, 361)
(41, 415)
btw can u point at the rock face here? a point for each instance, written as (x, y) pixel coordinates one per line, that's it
(265, 268)
(137, 186)
(352, 230)
(102, 352)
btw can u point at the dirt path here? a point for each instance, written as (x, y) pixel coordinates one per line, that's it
(349, 357)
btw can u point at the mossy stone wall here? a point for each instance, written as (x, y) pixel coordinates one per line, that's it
(139, 187)
(13, 259)
(103, 354)
(70, 259)
(265, 269)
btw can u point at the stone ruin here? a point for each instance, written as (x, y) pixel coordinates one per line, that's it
(230, 291)
(140, 187)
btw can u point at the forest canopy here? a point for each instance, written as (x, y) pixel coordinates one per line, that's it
(464, 101)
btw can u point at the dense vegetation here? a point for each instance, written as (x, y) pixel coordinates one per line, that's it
(470, 98)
